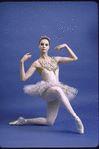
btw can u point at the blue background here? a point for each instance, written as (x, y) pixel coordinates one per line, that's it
(21, 26)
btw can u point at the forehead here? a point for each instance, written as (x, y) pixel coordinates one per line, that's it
(44, 41)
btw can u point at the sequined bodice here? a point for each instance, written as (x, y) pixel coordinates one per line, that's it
(50, 72)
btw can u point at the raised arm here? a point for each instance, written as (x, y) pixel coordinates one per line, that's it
(72, 57)
(24, 76)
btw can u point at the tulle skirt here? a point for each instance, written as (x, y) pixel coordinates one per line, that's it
(40, 87)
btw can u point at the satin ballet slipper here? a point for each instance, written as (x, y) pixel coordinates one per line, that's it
(19, 121)
(79, 125)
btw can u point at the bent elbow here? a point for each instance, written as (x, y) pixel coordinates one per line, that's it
(76, 59)
(22, 80)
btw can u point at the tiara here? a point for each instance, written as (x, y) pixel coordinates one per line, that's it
(45, 37)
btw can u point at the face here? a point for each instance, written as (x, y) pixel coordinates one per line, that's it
(44, 45)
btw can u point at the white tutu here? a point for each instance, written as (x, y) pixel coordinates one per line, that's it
(50, 76)
(39, 88)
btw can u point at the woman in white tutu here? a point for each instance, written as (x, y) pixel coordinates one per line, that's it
(49, 89)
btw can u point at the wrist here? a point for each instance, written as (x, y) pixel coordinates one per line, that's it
(65, 45)
(22, 61)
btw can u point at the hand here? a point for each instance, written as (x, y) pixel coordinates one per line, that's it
(60, 47)
(26, 57)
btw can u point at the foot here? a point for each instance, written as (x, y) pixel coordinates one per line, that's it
(20, 121)
(79, 125)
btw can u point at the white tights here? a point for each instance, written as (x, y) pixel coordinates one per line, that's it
(53, 96)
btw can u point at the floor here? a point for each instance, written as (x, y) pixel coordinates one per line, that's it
(62, 134)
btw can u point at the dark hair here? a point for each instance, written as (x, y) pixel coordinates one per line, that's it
(44, 38)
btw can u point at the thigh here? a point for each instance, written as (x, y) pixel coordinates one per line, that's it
(49, 95)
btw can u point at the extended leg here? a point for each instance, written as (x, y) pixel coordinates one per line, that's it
(52, 111)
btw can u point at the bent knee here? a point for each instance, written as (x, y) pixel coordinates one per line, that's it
(56, 89)
(49, 122)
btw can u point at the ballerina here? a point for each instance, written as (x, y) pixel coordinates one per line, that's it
(50, 89)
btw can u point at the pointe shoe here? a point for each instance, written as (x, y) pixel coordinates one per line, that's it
(20, 121)
(79, 125)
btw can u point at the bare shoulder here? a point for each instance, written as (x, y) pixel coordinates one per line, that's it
(35, 64)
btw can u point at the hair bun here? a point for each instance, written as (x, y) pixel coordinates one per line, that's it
(44, 37)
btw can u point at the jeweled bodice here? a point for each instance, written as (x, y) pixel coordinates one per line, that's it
(51, 66)
(50, 71)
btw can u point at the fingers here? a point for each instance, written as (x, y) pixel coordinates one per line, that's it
(28, 55)
(56, 49)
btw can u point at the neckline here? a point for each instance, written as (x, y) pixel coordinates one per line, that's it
(44, 61)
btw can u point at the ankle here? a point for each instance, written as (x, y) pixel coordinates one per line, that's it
(26, 121)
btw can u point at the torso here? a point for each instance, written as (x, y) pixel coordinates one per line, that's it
(39, 65)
